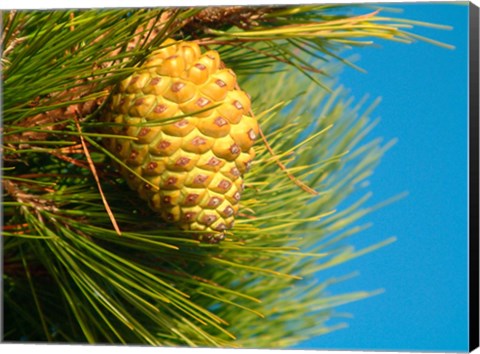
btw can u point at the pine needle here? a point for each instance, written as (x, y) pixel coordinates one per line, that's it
(278, 162)
(299, 183)
(97, 180)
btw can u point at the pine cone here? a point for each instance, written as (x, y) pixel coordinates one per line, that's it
(194, 135)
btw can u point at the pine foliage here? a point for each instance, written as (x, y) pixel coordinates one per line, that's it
(85, 260)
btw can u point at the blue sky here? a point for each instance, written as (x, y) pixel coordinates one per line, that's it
(424, 273)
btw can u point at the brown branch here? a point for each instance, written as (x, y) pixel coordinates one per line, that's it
(244, 17)
(71, 160)
(19, 227)
(33, 200)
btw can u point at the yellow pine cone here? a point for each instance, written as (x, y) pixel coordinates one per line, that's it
(195, 163)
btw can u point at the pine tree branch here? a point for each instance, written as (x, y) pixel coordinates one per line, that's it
(156, 285)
